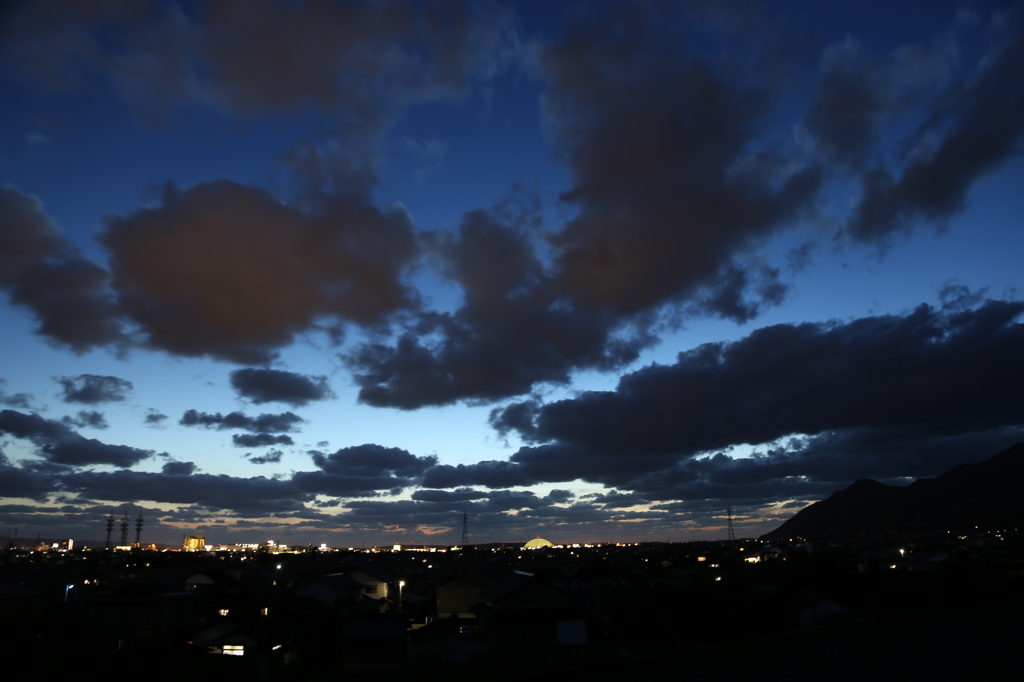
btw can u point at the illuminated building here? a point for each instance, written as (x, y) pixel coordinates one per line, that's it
(194, 543)
(537, 543)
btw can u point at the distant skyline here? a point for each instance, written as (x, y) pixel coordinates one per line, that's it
(339, 272)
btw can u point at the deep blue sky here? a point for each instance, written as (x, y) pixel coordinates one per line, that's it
(338, 272)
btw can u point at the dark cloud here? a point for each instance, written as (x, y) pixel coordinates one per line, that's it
(846, 106)
(22, 400)
(58, 444)
(511, 332)
(20, 481)
(33, 427)
(270, 457)
(87, 418)
(229, 271)
(84, 451)
(694, 492)
(677, 176)
(256, 496)
(259, 440)
(272, 385)
(949, 372)
(196, 283)
(483, 501)
(809, 468)
(372, 460)
(785, 379)
(92, 389)
(179, 468)
(361, 62)
(565, 463)
(979, 130)
(489, 516)
(667, 199)
(455, 496)
(27, 236)
(657, 142)
(155, 418)
(42, 271)
(559, 496)
(616, 499)
(264, 423)
(364, 469)
(492, 474)
(740, 292)
(673, 186)
(859, 98)
(515, 417)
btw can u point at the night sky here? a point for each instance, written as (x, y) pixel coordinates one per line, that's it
(341, 271)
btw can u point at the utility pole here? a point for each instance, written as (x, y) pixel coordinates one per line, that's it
(465, 528)
(732, 531)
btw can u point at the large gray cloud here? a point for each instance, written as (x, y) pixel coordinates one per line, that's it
(20, 481)
(363, 469)
(59, 444)
(859, 96)
(22, 400)
(668, 201)
(669, 131)
(512, 331)
(974, 133)
(228, 271)
(93, 389)
(272, 385)
(87, 418)
(42, 271)
(265, 423)
(809, 468)
(947, 372)
(657, 141)
(256, 496)
(259, 440)
(362, 62)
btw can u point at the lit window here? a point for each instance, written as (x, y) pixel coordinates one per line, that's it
(222, 612)
(233, 650)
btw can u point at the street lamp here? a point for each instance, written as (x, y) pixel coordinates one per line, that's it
(401, 584)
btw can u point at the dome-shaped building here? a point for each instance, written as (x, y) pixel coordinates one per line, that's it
(537, 543)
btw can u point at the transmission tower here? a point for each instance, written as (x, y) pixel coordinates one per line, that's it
(732, 531)
(465, 529)
(138, 530)
(110, 527)
(124, 529)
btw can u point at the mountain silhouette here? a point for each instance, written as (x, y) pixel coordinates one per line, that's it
(986, 495)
